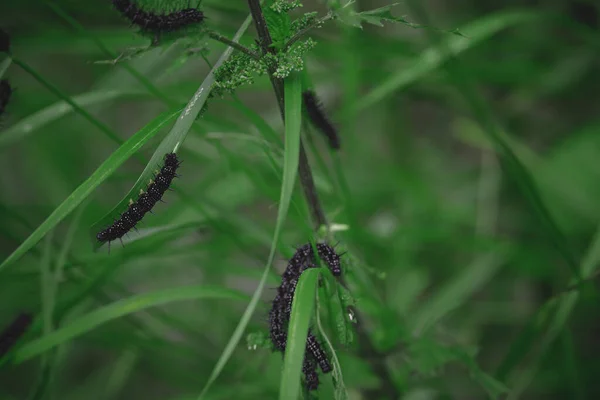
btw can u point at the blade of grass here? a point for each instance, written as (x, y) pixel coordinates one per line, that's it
(144, 81)
(37, 120)
(122, 370)
(458, 291)
(48, 293)
(105, 170)
(302, 307)
(341, 393)
(564, 306)
(293, 89)
(173, 139)
(512, 163)
(50, 281)
(58, 93)
(118, 309)
(434, 56)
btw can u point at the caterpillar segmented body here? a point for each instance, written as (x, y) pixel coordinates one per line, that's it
(158, 23)
(145, 202)
(319, 118)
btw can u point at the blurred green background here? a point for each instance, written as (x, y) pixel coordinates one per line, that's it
(453, 149)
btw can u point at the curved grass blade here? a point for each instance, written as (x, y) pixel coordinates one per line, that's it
(564, 305)
(434, 56)
(341, 393)
(456, 292)
(172, 141)
(60, 94)
(293, 88)
(108, 167)
(37, 120)
(119, 309)
(302, 307)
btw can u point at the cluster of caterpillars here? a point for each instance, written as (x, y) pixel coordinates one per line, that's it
(279, 316)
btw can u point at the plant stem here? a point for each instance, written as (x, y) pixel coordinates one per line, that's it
(220, 38)
(304, 170)
(367, 351)
(300, 34)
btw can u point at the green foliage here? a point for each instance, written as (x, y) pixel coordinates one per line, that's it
(465, 190)
(243, 69)
(103, 172)
(302, 308)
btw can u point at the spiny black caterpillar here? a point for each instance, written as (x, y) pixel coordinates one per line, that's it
(279, 315)
(319, 118)
(158, 23)
(145, 203)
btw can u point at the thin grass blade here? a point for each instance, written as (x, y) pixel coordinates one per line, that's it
(430, 59)
(302, 307)
(293, 88)
(119, 309)
(104, 171)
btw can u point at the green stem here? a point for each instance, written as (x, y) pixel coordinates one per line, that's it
(304, 171)
(220, 38)
(301, 33)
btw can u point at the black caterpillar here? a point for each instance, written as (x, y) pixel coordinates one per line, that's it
(5, 93)
(145, 203)
(279, 315)
(13, 332)
(158, 23)
(319, 118)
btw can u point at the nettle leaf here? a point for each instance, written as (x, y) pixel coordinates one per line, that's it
(347, 15)
(377, 16)
(279, 23)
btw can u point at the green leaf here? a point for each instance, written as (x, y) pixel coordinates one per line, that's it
(433, 57)
(341, 393)
(279, 24)
(119, 309)
(302, 306)
(293, 89)
(376, 16)
(108, 167)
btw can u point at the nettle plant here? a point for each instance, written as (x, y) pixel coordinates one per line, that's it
(279, 52)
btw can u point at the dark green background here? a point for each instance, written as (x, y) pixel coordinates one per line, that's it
(466, 270)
